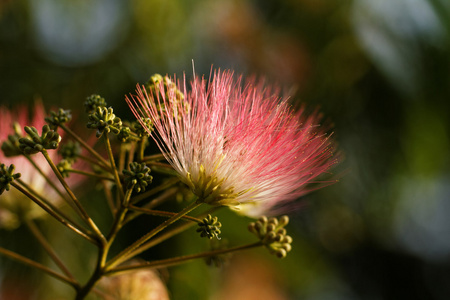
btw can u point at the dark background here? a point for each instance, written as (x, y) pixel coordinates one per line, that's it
(379, 70)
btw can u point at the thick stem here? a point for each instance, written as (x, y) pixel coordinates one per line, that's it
(96, 276)
(133, 249)
(181, 259)
(103, 251)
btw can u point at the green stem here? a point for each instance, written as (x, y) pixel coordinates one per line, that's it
(141, 145)
(94, 162)
(154, 202)
(85, 145)
(54, 214)
(133, 249)
(96, 276)
(109, 198)
(155, 157)
(118, 220)
(50, 205)
(161, 213)
(49, 181)
(103, 251)
(113, 165)
(174, 231)
(38, 266)
(155, 190)
(182, 259)
(48, 248)
(80, 210)
(90, 174)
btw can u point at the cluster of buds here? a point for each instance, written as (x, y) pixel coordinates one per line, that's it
(104, 120)
(170, 89)
(272, 234)
(10, 147)
(137, 177)
(48, 140)
(93, 102)
(209, 227)
(58, 118)
(6, 177)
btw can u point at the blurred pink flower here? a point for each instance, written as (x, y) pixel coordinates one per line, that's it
(235, 142)
(144, 284)
(13, 203)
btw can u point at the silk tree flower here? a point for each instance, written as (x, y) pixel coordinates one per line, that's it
(13, 205)
(237, 143)
(143, 284)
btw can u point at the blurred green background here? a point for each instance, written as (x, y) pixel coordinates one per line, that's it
(378, 69)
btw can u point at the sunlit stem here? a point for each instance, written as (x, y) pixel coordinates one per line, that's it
(54, 214)
(182, 259)
(133, 249)
(90, 174)
(154, 190)
(174, 231)
(161, 213)
(48, 248)
(168, 194)
(81, 209)
(33, 264)
(113, 165)
(85, 145)
(118, 220)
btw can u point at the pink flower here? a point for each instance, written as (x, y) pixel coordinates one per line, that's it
(235, 142)
(13, 203)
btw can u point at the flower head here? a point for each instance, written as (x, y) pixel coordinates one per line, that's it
(237, 143)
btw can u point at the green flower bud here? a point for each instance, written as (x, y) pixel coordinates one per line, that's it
(209, 227)
(48, 140)
(63, 167)
(104, 120)
(6, 177)
(70, 151)
(56, 119)
(92, 102)
(10, 147)
(142, 130)
(272, 234)
(124, 134)
(137, 177)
